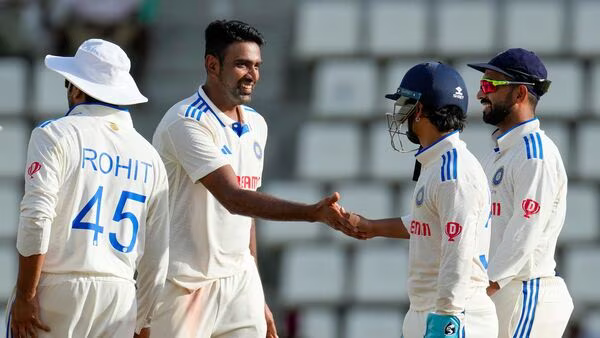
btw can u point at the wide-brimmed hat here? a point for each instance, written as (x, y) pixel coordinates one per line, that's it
(101, 70)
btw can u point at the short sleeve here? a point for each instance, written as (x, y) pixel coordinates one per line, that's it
(195, 148)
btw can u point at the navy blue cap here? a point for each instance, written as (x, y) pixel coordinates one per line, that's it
(439, 85)
(517, 64)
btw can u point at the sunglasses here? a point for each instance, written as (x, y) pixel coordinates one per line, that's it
(489, 86)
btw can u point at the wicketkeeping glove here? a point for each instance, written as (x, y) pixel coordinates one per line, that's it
(442, 326)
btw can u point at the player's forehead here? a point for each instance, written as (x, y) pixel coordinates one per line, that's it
(243, 51)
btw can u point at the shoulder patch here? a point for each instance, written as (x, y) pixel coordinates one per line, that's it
(533, 146)
(449, 168)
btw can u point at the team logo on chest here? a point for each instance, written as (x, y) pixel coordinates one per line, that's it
(258, 150)
(498, 176)
(420, 196)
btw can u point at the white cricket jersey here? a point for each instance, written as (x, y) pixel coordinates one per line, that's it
(195, 138)
(96, 200)
(449, 228)
(528, 183)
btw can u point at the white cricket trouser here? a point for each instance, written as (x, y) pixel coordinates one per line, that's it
(479, 319)
(76, 306)
(539, 307)
(232, 307)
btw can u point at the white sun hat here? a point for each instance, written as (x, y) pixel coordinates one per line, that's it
(101, 70)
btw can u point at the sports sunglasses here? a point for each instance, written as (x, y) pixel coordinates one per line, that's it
(489, 86)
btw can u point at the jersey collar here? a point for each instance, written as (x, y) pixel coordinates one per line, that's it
(238, 127)
(437, 148)
(515, 134)
(102, 110)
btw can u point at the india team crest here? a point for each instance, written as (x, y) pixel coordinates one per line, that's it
(420, 196)
(498, 176)
(258, 150)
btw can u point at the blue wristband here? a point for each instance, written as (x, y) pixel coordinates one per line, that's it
(442, 326)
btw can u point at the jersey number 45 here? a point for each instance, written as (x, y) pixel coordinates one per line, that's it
(118, 216)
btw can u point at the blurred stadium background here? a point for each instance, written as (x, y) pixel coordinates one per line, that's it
(326, 67)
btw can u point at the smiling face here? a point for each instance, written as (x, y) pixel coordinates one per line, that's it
(240, 71)
(497, 105)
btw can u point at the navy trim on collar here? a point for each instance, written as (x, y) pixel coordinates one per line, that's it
(436, 142)
(513, 127)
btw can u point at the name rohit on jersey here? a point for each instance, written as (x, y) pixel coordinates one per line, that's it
(108, 164)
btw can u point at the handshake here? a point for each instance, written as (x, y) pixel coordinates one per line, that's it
(330, 212)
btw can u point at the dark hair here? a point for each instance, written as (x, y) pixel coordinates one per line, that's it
(221, 33)
(447, 118)
(533, 100)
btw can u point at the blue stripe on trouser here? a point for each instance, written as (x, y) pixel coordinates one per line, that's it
(536, 284)
(525, 302)
(530, 298)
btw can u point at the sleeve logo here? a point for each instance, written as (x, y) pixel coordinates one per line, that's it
(453, 229)
(33, 168)
(420, 196)
(257, 150)
(530, 207)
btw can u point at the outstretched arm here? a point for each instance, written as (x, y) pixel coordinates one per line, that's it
(367, 228)
(222, 183)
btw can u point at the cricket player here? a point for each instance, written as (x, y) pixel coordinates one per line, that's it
(213, 147)
(528, 183)
(95, 209)
(449, 224)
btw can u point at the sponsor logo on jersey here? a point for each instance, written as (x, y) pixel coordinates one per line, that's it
(498, 176)
(496, 209)
(248, 182)
(420, 228)
(33, 168)
(258, 150)
(453, 229)
(530, 207)
(420, 196)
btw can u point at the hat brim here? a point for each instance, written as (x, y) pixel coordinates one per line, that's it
(127, 93)
(482, 67)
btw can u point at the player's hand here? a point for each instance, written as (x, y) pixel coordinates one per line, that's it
(144, 333)
(363, 229)
(493, 288)
(271, 328)
(328, 211)
(25, 318)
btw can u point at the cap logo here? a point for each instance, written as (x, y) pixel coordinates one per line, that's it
(458, 94)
